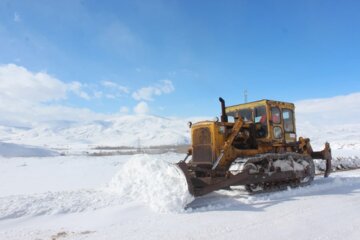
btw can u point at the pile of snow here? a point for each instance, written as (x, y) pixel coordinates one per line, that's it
(157, 183)
(141, 180)
(15, 150)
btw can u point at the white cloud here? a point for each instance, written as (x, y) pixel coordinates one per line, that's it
(110, 96)
(19, 84)
(124, 110)
(76, 88)
(141, 108)
(29, 114)
(27, 97)
(98, 94)
(17, 17)
(148, 93)
(115, 86)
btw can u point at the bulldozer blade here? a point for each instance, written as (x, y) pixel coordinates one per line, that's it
(184, 169)
(199, 186)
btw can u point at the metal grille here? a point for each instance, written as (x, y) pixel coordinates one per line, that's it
(202, 153)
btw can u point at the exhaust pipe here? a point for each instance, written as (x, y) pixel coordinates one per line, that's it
(224, 117)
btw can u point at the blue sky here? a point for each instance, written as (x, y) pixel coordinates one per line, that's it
(185, 53)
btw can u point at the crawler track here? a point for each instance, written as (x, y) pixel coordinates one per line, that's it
(273, 163)
(285, 186)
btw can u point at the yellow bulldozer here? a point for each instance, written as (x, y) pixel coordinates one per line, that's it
(254, 145)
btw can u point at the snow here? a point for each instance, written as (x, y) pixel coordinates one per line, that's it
(50, 203)
(287, 165)
(83, 197)
(336, 110)
(16, 150)
(146, 131)
(335, 120)
(130, 131)
(317, 119)
(158, 183)
(46, 195)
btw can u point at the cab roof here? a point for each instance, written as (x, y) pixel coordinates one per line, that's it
(259, 103)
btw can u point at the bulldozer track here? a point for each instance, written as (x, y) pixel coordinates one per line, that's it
(273, 186)
(283, 187)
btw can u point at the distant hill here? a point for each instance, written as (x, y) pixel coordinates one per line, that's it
(333, 119)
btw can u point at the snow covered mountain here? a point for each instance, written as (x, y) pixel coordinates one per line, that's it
(130, 131)
(317, 119)
(335, 120)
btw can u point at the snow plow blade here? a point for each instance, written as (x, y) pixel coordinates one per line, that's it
(199, 186)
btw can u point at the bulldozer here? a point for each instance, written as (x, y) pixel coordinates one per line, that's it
(253, 145)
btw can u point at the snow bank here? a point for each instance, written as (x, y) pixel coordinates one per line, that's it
(15, 150)
(157, 183)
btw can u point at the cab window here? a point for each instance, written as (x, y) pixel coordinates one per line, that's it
(288, 117)
(275, 115)
(278, 133)
(260, 115)
(245, 114)
(261, 121)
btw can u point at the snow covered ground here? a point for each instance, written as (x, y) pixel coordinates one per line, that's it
(73, 197)
(16, 150)
(51, 189)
